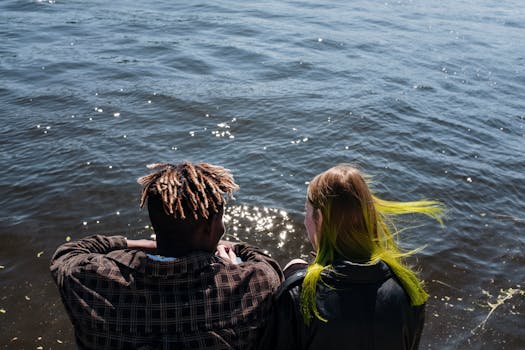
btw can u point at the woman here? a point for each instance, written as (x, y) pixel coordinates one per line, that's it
(358, 293)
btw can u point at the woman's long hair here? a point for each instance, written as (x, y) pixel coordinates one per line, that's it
(358, 226)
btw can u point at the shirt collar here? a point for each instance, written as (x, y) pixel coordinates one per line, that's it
(190, 263)
(161, 258)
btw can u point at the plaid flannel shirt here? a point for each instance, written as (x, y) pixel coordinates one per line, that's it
(118, 298)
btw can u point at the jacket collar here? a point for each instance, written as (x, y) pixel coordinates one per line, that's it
(346, 271)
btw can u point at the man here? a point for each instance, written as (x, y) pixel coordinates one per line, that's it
(190, 293)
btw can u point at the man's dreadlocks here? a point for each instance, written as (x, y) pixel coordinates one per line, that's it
(183, 187)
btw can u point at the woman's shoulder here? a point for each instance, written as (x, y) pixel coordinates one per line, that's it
(293, 267)
(344, 276)
(294, 274)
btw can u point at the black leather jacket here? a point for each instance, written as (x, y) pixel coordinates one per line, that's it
(366, 309)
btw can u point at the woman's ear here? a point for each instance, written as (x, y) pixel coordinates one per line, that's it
(318, 221)
(318, 224)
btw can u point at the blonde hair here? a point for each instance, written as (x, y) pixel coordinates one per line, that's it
(358, 226)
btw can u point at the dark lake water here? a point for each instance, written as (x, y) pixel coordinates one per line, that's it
(428, 97)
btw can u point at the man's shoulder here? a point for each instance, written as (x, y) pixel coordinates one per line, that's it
(253, 271)
(117, 266)
(132, 259)
(257, 264)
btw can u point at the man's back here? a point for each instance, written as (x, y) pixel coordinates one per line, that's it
(119, 298)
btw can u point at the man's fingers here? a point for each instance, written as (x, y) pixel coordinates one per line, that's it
(227, 253)
(221, 251)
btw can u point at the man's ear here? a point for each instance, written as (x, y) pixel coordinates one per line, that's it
(209, 232)
(202, 237)
(216, 224)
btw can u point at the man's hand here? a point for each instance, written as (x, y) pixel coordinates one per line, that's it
(141, 244)
(227, 253)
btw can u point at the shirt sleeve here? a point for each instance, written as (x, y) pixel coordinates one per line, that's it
(73, 254)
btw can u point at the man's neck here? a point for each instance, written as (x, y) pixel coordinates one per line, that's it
(177, 253)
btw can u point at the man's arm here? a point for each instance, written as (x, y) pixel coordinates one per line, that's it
(146, 244)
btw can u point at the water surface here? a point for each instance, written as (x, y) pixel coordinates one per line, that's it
(427, 97)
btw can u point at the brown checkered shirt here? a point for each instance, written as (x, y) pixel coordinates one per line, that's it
(118, 298)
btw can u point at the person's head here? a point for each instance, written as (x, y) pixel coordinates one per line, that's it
(340, 214)
(345, 220)
(185, 205)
